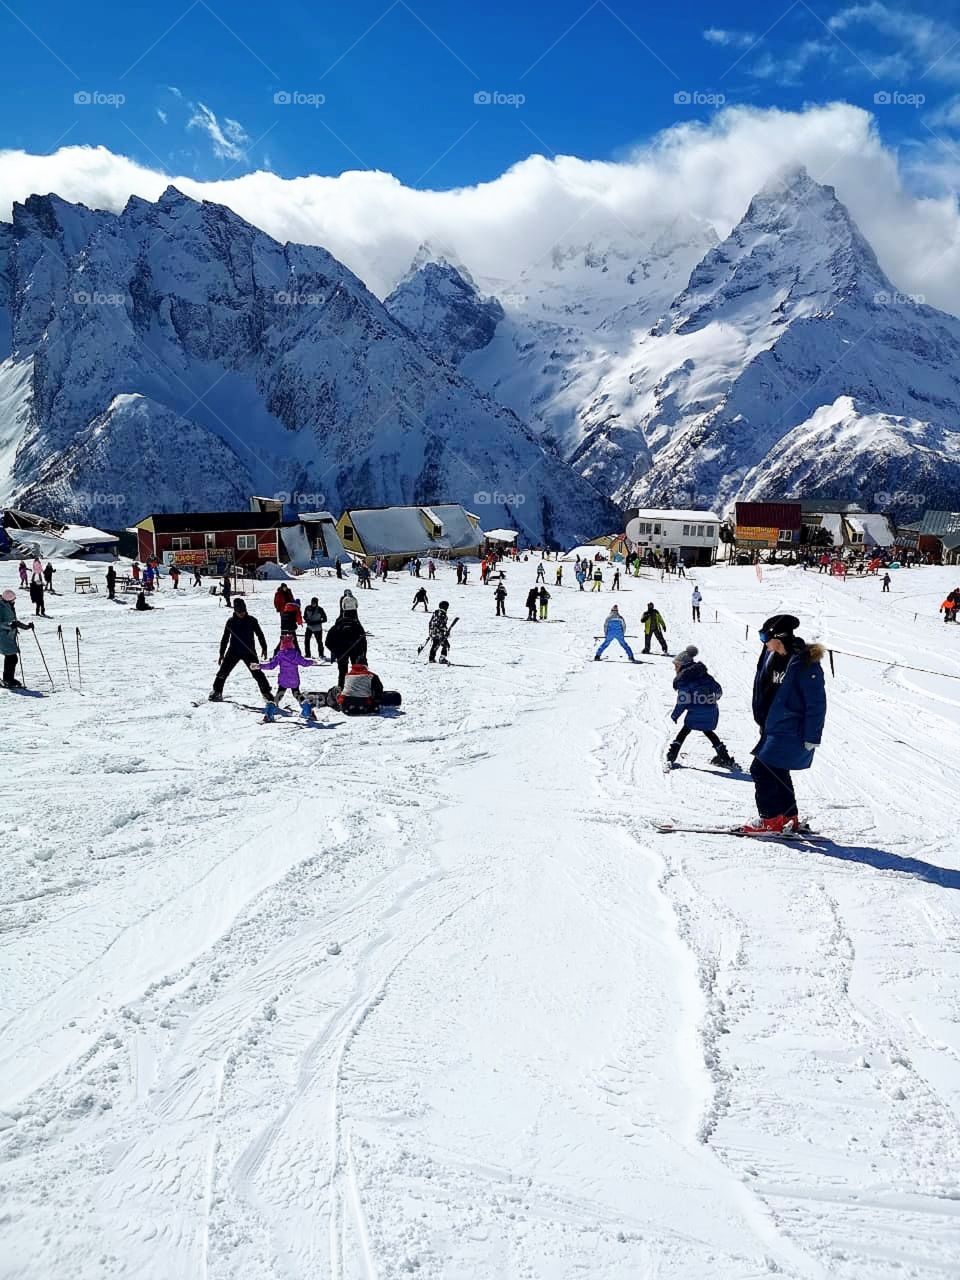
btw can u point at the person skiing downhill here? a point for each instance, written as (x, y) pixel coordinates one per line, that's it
(541, 575)
(697, 696)
(241, 636)
(289, 661)
(695, 601)
(440, 632)
(9, 626)
(500, 595)
(614, 629)
(790, 707)
(653, 627)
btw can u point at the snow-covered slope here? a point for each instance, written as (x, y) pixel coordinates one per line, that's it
(428, 998)
(249, 366)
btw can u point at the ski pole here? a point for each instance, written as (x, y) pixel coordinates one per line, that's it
(44, 661)
(79, 673)
(63, 646)
(23, 671)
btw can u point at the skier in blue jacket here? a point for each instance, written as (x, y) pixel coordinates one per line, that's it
(614, 629)
(790, 706)
(697, 696)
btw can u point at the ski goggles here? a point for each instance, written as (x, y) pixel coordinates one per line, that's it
(772, 635)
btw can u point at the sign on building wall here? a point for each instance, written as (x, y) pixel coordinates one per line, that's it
(757, 535)
(268, 550)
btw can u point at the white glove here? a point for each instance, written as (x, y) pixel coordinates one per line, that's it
(810, 746)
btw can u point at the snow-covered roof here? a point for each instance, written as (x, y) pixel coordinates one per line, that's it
(876, 530)
(502, 535)
(655, 513)
(323, 531)
(82, 534)
(833, 524)
(400, 530)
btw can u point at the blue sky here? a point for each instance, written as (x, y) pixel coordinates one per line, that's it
(192, 88)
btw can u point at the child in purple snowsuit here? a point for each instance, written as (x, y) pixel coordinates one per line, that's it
(289, 661)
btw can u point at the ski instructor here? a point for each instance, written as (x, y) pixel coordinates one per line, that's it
(790, 706)
(238, 644)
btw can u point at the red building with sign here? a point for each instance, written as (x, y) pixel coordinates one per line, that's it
(215, 539)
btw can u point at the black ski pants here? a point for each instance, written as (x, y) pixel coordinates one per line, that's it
(9, 667)
(501, 609)
(684, 732)
(233, 660)
(657, 634)
(441, 646)
(774, 789)
(309, 635)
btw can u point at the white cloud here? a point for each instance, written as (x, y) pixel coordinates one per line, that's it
(373, 223)
(229, 140)
(928, 46)
(788, 67)
(161, 115)
(729, 39)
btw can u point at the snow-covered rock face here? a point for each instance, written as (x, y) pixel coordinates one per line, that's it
(174, 356)
(445, 310)
(690, 372)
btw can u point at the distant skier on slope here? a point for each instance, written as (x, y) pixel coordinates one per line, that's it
(790, 706)
(420, 598)
(614, 629)
(500, 595)
(696, 600)
(9, 626)
(697, 696)
(241, 636)
(440, 632)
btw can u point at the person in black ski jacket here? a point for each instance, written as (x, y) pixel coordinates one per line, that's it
(440, 632)
(500, 595)
(421, 598)
(111, 582)
(141, 606)
(346, 639)
(789, 706)
(533, 600)
(36, 596)
(313, 620)
(241, 637)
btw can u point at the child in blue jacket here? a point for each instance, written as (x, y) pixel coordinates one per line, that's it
(697, 697)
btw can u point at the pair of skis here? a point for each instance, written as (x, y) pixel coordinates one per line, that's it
(674, 828)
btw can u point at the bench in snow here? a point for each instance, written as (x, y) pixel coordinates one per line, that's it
(83, 585)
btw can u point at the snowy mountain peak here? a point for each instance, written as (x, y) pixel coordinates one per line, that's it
(442, 305)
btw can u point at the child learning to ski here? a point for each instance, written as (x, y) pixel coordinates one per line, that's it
(697, 697)
(289, 662)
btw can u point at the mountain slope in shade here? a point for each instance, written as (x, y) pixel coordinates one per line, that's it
(442, 306)
(247, 365)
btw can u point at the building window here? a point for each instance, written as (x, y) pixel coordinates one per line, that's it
(710, 531)
(180, 544)
(209, 540)
(348, 532)
(656, 530)
(246, 542)
(686, 531)
(785, 535)
(856, 537)
(699, 530)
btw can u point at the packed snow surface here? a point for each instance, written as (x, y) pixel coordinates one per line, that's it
(428, 995)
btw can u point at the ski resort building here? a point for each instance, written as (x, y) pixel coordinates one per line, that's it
(768, 526)
(939, 536)
(442, 531)
(693, 535)
(313, 541)
(29, 534)
(216, 540)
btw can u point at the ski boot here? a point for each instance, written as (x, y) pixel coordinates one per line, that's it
(270, 713)
(673, 752)
(779, 826)
(724, 760)
(306, 712)
(215, 697)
